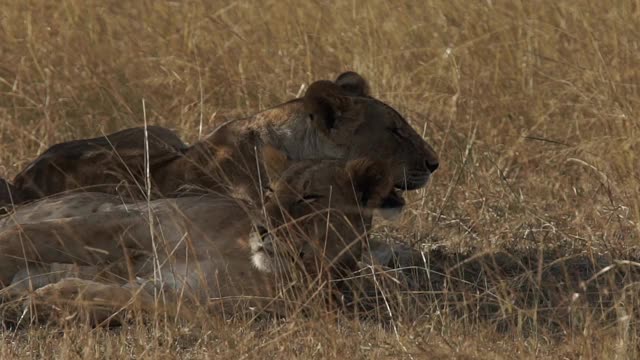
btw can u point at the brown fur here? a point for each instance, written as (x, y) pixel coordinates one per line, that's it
(338, 120)
(208, 244)
(101, 163)
(9, 196)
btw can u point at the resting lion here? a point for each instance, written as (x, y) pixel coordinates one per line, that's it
(314, 219)
(333, 120)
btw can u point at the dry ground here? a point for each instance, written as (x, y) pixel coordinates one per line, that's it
(532, 106)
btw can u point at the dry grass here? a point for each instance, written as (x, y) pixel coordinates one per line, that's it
(532, 106)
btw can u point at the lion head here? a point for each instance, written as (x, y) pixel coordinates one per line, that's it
(319, 212)
(354, 125)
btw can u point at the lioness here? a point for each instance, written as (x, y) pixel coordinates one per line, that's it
(338, 120)
(314, 219)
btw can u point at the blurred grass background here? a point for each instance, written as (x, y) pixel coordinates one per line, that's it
(531, 105)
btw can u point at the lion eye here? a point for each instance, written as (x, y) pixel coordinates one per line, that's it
(395, 131)
(309, 198)
(267, 192)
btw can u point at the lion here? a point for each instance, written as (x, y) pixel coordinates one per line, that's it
(333, 120)
(314, 220)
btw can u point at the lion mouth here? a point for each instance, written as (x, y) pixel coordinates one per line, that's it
(413, 181)
(261, 249)
(392, 206)
(393, 201)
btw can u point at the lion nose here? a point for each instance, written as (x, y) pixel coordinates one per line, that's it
(431, 165)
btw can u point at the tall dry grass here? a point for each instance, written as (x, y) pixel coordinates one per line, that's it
(532, 106)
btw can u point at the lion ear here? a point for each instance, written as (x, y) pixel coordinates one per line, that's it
(275, 162)
(325, 102)
(372, 181)
(353, 84)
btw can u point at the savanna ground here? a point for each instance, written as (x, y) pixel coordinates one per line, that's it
(531, 105)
